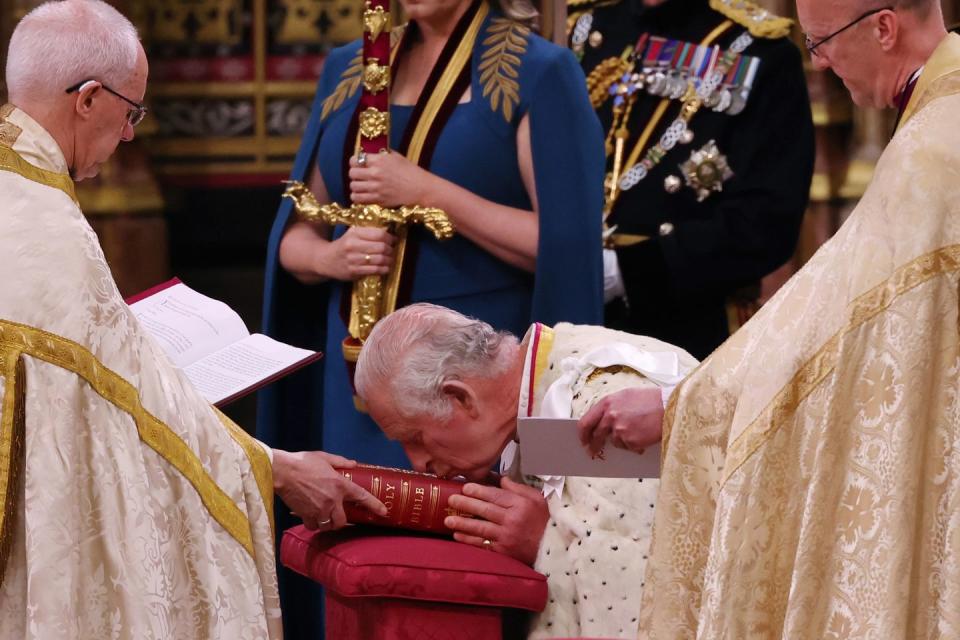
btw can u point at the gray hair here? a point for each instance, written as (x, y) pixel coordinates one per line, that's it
(61, 43)
(414, 350)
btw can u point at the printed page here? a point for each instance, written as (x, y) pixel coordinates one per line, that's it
(242, 365)
(551, 447)
(188, 325)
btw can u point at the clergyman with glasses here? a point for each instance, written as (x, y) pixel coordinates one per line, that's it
(129, 507)
(810, 485)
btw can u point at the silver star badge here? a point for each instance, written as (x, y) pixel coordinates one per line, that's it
(706, 170)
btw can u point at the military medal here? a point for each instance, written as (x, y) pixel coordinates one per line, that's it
(705, 171)
(695, 96)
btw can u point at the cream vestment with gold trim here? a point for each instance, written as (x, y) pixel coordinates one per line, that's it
(130, 507)
(811, 477)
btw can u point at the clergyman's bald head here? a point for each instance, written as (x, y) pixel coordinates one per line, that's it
(61, 43)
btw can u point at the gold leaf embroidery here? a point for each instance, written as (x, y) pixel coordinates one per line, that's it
(348, 85)
(507, 41)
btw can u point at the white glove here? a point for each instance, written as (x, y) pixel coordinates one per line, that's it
(612, 279)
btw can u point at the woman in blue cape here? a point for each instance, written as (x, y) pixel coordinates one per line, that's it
(514, 156)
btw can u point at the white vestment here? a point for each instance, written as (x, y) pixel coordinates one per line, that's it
(595, 546)
(130, 507)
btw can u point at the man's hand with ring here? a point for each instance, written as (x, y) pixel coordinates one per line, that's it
(510, 519)
(310, 486)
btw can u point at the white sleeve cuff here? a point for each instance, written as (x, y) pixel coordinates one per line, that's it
(612, 278)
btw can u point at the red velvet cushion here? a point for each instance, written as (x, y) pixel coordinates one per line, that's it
(357, 561)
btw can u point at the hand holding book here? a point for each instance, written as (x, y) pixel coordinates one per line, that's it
(414, 501)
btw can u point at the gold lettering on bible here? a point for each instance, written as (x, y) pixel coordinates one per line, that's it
(389, 495)
(417, 509)
(368, 303)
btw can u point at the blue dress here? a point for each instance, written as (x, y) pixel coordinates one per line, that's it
(477, 150)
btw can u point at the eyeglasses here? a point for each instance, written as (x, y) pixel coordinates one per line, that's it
(812, 46)
(134, 117)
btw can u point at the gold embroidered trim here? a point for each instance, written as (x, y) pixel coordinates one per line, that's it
(943, 63)
(259, 462)
(940, 88)
(507, 41)
(6, 110)
(461, 57)
(155, 434)
(544, 347)
(12, 435)
(349, 83)
(758, 21)
(866, 307)
(11, 161)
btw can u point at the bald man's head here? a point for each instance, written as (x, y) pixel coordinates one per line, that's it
(872, 45)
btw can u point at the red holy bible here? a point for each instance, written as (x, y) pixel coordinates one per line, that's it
(415, 501)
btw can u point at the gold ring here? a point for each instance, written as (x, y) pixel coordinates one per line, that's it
(366, 258)
(487, 543)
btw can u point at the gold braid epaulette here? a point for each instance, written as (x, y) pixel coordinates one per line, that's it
(757, 20)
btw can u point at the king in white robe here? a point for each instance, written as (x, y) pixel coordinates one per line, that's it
(129, 507)
(595, 546)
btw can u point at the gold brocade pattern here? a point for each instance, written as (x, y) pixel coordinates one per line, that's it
(821, 365)
(259, 462)
(944, 86)
(935, 80)
(810, 485)
(11, 161)
(12, 425)
(499, 64)
(349, 83)
(75, 358)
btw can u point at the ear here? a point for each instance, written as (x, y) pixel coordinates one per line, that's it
(887, 30)
(85, 97)
(462, 396)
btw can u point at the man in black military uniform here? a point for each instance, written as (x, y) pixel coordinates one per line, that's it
(709, 158)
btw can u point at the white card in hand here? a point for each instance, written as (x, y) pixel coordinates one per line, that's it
(551, 447)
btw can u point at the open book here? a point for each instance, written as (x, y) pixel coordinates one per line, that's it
(211, 344)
